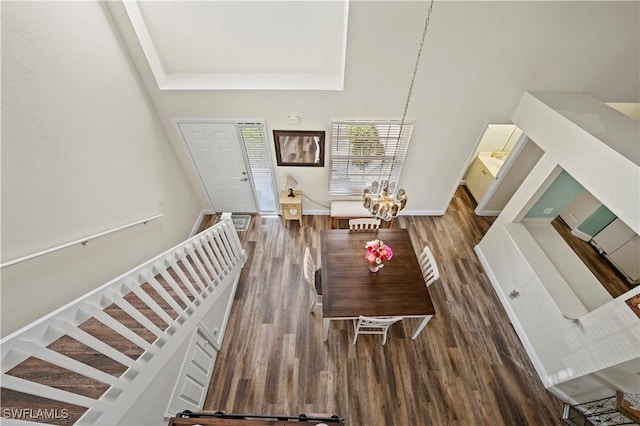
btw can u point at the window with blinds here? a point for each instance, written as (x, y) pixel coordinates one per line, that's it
(254, 141)
(362, 151)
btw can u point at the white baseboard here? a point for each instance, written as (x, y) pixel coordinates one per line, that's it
(581, 235)
(201, 216)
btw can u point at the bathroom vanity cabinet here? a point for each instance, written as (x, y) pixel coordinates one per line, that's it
(482, 173)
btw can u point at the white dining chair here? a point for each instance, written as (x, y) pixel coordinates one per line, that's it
(373, 325)
(428, 266)
(312, 276)
(364, 224)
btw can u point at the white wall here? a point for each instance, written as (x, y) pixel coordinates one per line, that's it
(478, 60)
(83, 151)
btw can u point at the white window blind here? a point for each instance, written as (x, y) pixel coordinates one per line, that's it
(255, 147)
(362, 151)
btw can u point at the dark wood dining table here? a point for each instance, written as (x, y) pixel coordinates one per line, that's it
(350, 289)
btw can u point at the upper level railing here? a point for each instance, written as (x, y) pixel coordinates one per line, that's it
(91, 359)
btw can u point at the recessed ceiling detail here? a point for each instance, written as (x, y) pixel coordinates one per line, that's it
(243, 45)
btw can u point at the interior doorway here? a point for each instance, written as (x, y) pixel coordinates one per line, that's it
(503, 158)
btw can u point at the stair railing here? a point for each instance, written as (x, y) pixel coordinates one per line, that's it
(192, 274)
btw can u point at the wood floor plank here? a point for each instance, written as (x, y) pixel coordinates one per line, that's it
(466, 368)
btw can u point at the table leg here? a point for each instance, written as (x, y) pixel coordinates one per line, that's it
(422, 325)
(325, 329)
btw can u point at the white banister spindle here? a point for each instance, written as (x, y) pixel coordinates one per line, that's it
(185, 280)
(218, 247)
(206, 261)
(163, 293)
(219, 272)
(195, 261)
(231, 237)
(134, 313)
(177, 288)
(225, 248)
(148, 300)
(186, 263)
(200, 263)
(118, 327)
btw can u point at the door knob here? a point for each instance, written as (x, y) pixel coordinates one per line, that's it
(244, 180)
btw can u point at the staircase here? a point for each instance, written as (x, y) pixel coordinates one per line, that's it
(90, 361)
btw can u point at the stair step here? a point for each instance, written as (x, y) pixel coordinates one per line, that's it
(82, 353)
(146, 287)
(128, 321)
(103, 333)
(145, 310)
(171, 291)
(47, 374)
(182, 285)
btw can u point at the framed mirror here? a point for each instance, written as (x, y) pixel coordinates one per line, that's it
(299, 147)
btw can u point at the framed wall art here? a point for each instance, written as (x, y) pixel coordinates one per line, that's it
(299, 147)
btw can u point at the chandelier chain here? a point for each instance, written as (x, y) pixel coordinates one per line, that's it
(385, 200)
(415, 67)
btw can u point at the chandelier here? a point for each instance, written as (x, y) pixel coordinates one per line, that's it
(384, 199)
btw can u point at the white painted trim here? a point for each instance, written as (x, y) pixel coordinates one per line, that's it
(137, 22)
(506, 166)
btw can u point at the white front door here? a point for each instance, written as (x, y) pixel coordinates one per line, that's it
(216, 152)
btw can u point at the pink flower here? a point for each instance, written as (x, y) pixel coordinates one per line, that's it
(377, 251)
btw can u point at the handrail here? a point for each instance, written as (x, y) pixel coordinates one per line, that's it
(82, 241)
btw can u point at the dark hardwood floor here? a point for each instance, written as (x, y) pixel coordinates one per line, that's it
(466, 368)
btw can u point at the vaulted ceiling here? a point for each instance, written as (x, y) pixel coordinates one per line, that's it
(193, 45)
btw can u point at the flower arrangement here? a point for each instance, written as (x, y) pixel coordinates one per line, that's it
(377, 252)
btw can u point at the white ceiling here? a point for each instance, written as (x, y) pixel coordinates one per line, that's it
(243, 44)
